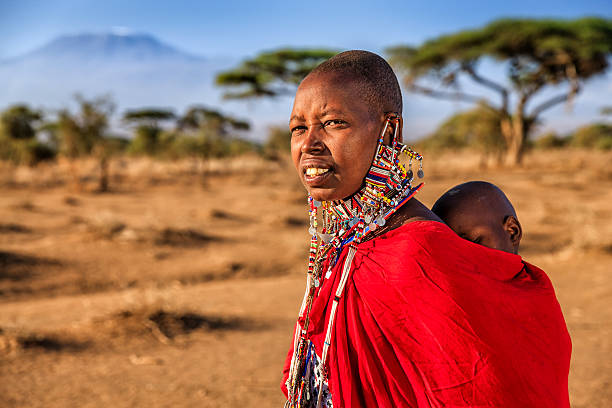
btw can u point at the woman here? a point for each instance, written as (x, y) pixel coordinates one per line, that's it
(398, 310)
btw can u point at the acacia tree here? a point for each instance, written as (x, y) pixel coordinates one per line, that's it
(18, 129)
(208, 133)
(200, 117)
(538, 54)
(85, 133)
(19, 122)
(273, 73)
(148, 128)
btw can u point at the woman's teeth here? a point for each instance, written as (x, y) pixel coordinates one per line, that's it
(313, 171)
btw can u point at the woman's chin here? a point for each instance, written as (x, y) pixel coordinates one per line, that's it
(328, 194)
(321, 194)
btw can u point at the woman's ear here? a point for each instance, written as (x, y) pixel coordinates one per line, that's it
(395, 125)
(514, 230)
(388, 136)
(400, 128)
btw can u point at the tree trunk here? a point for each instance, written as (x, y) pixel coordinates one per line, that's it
(75, 174)
(514, 130)
(514, 154)
(203, 172)
(103, 182)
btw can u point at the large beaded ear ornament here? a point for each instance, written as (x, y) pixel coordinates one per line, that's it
(386, 188)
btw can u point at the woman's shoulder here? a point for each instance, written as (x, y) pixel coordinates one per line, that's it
(412, 235)
(400, 253)
(432, 245)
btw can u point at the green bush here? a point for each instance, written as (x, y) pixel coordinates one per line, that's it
(203, 145)
(182, 146)
(237, 146)
(36, 152)
(551, 140)
(18, 122)
(26, 151)
(597, 135)
(145, 141)
(277, 143)
(478, 128)
(279, 139)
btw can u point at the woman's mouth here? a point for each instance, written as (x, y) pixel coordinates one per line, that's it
(315, 176)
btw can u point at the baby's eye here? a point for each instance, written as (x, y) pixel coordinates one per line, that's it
(478, 240)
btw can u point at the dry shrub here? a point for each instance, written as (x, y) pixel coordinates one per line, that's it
(25, 205)
(15, 267)
(292, 221)
(71, 201)
(172, 324)
(183, 237)
(166, 326)
(105, 225)
(225, 215)
(12, 228)
(14, 341)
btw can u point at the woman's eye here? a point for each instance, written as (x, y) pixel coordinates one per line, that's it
(334, 122)
(297, 130)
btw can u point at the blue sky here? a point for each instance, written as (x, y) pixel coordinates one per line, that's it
(244, 28)
(230, 27)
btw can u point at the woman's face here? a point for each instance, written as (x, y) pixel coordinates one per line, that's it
(333, 136)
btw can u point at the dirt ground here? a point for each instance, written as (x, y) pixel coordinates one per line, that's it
(170, 292)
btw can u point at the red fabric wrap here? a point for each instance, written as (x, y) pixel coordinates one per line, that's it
(428, 319)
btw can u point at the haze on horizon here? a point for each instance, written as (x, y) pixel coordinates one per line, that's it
(223, 34)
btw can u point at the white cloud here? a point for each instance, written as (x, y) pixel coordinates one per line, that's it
(121, 30)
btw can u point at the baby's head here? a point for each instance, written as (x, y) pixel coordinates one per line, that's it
(480, 212)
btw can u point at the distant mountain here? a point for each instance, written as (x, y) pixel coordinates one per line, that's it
(106, 47)
(136, 70)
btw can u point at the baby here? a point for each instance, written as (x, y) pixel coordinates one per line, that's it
(480, 212)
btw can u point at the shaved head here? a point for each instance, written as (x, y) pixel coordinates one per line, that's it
(480, 212)
(377, 83)
(479, 195)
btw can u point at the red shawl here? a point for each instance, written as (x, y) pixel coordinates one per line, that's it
(431, 320)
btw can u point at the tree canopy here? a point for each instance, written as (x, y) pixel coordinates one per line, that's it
(272, 73)
(18, 122)
(149, 116)
(80, 132)
(537, 53)
(198, 117)
(19, 125)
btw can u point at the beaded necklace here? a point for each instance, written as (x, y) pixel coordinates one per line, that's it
(387, 187)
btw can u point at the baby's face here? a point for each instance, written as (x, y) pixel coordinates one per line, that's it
(483, 229)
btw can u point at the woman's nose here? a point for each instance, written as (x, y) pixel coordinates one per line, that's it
(313, 142)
